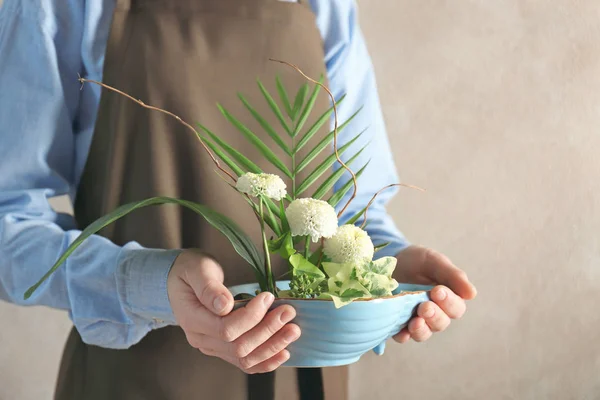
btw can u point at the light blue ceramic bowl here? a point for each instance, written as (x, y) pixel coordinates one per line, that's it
(332, 337)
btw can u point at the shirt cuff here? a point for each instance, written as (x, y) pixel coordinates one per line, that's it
(142, 281)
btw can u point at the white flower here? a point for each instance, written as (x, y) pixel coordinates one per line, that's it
(350, 244)
(268, 185)
(315, 218)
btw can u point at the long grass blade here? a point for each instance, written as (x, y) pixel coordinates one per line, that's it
(242, 244)
(257, 142)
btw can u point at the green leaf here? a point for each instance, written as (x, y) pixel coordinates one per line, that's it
(302, 266)
(271, 217)
(274, 107)
(324, 143)
(341, 192)
(317, 125)
(333, 178)
(379, 285)
(266, 126)
(283, 96)
(299, 101)
(255, 140)
(284, 246)
(384, 266)
(242, 244)
(239, 157)
(355, 293)
(347, 293)
(308, 108)
(381, 246)
(224, 157)
(324, 166)
(285, 226)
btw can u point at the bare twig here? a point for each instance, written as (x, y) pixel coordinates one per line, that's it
(377, 194)
(141, 103)
(335, 130)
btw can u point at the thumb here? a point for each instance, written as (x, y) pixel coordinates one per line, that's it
(205, 277)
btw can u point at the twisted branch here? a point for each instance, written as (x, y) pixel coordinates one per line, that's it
(141, 103)
(377, 194)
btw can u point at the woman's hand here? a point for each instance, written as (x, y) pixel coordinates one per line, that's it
(251, 338)
(427, 267)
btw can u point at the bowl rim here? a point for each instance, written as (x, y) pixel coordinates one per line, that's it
(401, 294)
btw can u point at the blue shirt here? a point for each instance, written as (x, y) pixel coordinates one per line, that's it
(116, 295)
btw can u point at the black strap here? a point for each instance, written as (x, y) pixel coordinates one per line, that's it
(261, 386)
(310, 385)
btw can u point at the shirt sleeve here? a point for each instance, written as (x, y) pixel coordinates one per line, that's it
(350, 72)
(114, 295)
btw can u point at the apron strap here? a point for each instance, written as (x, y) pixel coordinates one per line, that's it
(310, 383)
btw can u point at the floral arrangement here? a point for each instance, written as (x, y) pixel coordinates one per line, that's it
(341, 268)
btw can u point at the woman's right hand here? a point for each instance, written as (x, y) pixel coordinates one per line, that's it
(251, 338)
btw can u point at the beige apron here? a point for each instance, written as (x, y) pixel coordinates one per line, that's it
(184, 56)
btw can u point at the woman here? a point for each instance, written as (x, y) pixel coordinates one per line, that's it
(140, 305)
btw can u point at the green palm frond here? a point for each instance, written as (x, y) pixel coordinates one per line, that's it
(257, 142)
(335, 199)
(274, 107)
(324, 166)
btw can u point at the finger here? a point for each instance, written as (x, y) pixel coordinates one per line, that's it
(450, 303)
(443, 271)
(248, 342)
(269, 326)
(229, 328)
(271, 364)
(418, 329)
(271, 347)
(206, 344)
(434, 317)
(234, 325)
(207, 282)
(403, 336)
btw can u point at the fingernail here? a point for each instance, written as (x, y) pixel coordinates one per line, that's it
(287, 316)
(290, 336)
(220, 303)
(429, 312)
(268, 299)
(441, 294)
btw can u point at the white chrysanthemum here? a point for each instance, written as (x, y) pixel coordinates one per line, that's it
(349, 244)
(315, 218)
(268, 185)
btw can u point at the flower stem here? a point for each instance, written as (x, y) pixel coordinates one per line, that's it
(268, 272)
(307, 247)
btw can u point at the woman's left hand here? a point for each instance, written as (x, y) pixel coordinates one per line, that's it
(424, 266)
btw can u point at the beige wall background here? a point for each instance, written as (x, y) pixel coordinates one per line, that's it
(494, 107)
